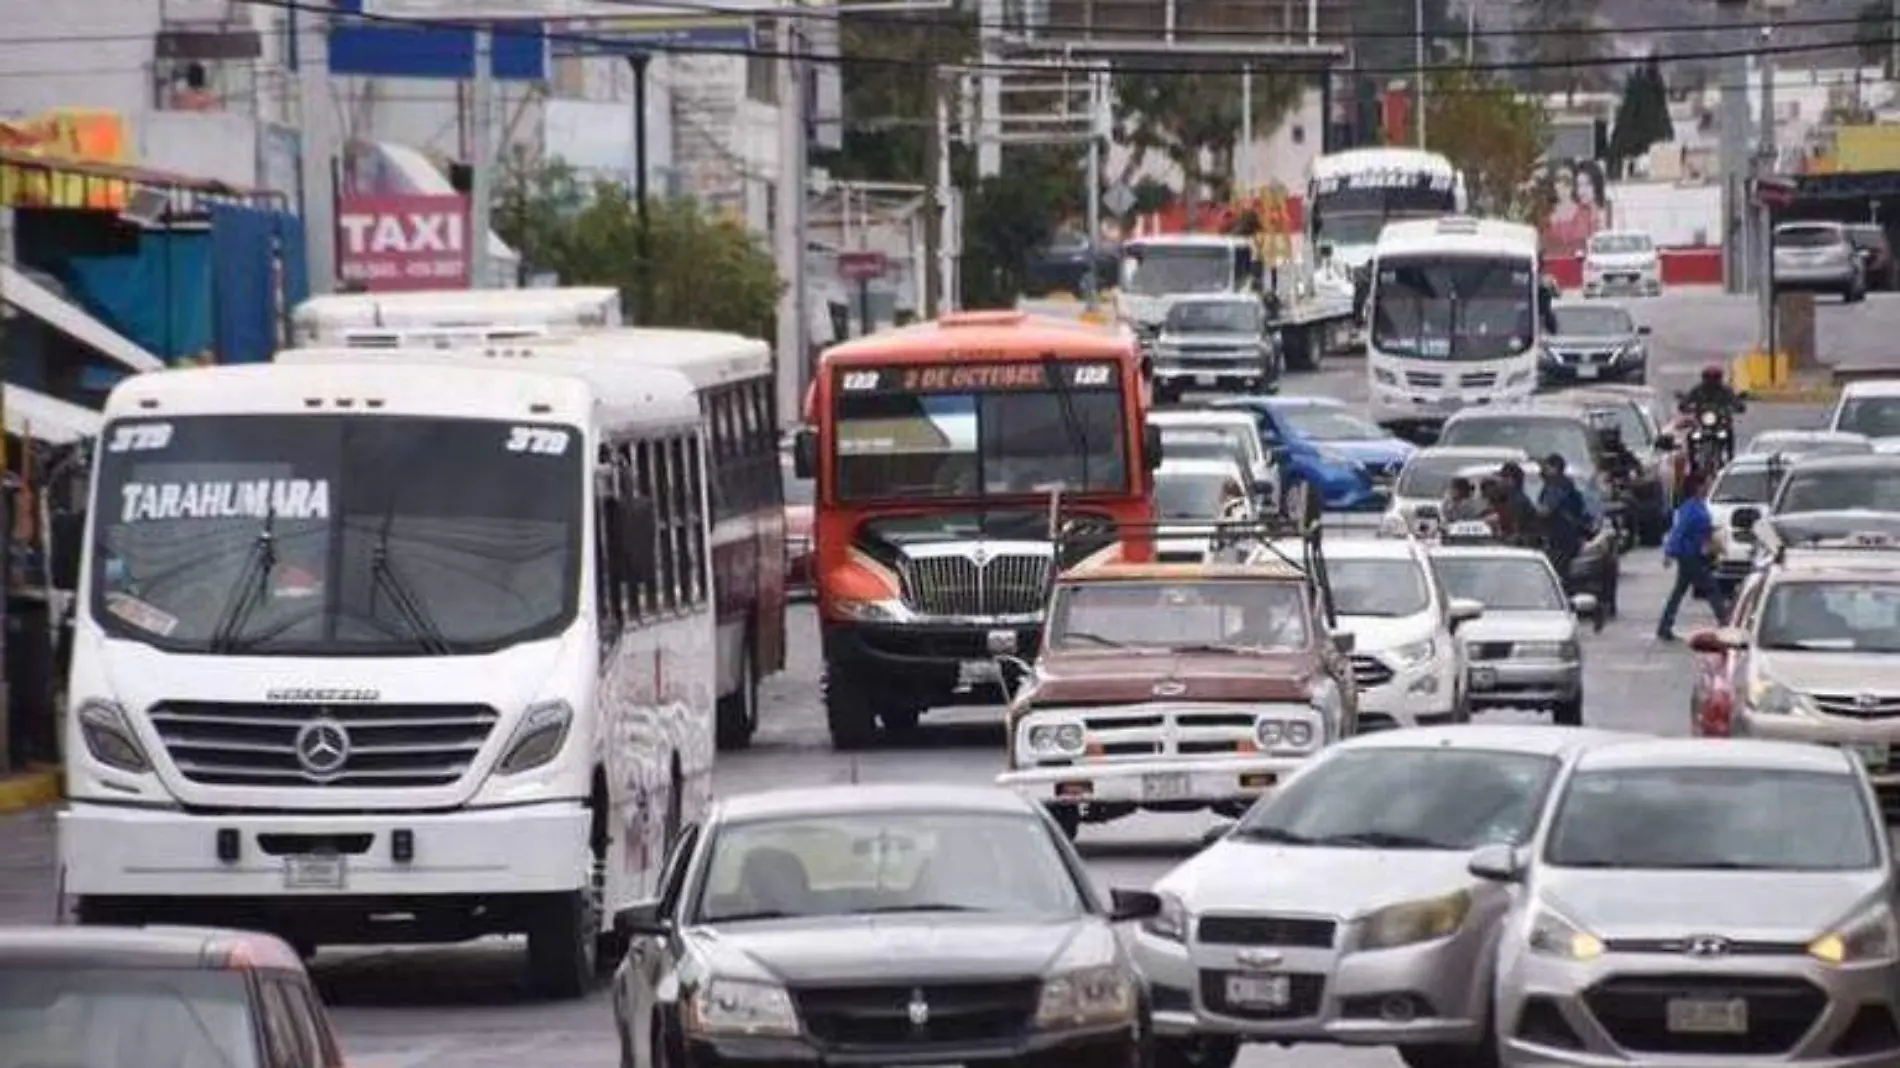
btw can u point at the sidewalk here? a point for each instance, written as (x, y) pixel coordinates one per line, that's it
(28, 868)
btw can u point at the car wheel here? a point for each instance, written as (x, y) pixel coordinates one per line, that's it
(562, 934)
(1568, 713)
(1205, 1051)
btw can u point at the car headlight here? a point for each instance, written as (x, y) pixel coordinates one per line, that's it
(1554, 936)
(871, 611)
(1413, 654)
(1283, 733)
(1771, 698)
(1054, 739)
(109, 737)
(1547, 650)
(1866, 938)
(1087, 997)
(538, 740)
(741, 1007)
(1171, 922)
(1411, 922)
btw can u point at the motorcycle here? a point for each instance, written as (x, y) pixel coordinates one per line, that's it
(1711, 441)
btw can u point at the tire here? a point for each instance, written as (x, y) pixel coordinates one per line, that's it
(1566, 714)
(738, 715)
(848, 713)
(1203, 1051)
(563, 932)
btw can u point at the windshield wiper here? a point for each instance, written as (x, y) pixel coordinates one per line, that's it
(384, 574)
(253, 583)
(1270, 834)
(1382, 840)
(1071, 419)
(757, 914)
(1091, 639)
(1221, 648)
(927, 906)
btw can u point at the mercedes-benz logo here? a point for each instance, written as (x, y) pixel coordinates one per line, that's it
(918, 1010)
(1706, 946)
(323, 747)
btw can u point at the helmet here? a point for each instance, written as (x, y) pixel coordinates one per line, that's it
(1712, 374)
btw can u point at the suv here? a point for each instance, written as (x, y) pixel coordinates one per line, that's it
(126, 997)
(1818, 256)
(1181, 686)
(1216, 341)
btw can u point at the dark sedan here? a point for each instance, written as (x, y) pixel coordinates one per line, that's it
(873, 925)
(1594, 342)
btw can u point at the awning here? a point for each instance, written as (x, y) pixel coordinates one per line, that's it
(31, 414)
(37, 301)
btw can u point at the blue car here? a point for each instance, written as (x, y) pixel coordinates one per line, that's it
(1321, 442)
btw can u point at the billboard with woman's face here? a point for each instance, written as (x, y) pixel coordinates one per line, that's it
(1579, 206)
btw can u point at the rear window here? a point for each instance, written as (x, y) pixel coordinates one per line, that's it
(125, 1018)
(1807, 237)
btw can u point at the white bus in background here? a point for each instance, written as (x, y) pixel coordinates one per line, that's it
(732, 379)
(452, 316)
(1455, 318)
(1351, 195)
(372, 653)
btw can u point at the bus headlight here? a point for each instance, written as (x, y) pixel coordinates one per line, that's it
(109, 737)
(538, 739)
(871, 611)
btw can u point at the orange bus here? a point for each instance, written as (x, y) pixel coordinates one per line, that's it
(946, 455)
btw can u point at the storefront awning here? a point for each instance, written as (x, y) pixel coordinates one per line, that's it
(37, 301)
(31, 414)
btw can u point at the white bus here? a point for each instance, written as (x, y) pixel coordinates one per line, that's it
(452, 316)
(732, 378)
(1351, 195)
(375, 653)
(1455, 316)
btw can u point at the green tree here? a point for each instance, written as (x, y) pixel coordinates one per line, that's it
(706, 272)
(885, 76)
(1642, 115)
(1564, 32)
(1193, 120)
(1008, 219)
(1493, 134)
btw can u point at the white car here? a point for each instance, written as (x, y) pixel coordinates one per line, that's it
(1527, 651)
(1870, 409)
(1621, 261)
(1742, 489)
(1195, 493)
(1216, 433)
(1406, 657)
(1423, 480)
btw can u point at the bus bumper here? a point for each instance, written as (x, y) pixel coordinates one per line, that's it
(929, 664)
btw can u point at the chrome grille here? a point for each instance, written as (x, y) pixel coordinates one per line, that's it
(1143, 732)
(239, 744)
(1012, 584)
(1370, 671)
(1424, 379)
(1859, 706)
(1481, 380)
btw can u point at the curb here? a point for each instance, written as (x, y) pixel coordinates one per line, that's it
(28, 790)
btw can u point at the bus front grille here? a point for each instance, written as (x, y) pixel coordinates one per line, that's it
(301, 745)
(1011, 584)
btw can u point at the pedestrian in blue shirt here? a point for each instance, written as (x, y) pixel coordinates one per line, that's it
(1687, 547)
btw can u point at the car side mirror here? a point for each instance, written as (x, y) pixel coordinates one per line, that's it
(1584, 604)
(1497, 863)
(1344, 644)
(1718, 639)
(1645, 330)
(641, 919)
(1151, 445)
(1463, 610)
(1125, 905)
(805, 453)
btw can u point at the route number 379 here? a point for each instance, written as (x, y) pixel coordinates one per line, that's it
(539, 441)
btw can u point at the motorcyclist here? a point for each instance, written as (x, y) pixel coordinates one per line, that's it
(1712, 393)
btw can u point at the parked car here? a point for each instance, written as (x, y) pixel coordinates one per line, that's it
(1818, 257)
(1876, 255)
(1594, 343)
(1352, 461)
(1621, 261)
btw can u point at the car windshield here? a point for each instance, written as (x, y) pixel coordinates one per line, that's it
(1838, 490)
(1468, 308)
(1501, 583)
(1193, 495)
(319, 535)
(854, 864)
(1455, 799)
(1807, 237)
(1154, 271)
(1323, 422)
(1240, 613)
(1429, 474)
(1743, 485)
(1619, 244)
(54, 1017)
(1567, 438)
(1215, 317)
(1713, 818)
(1594, 320)
(1857, 617)
(1371, 587)
(1876, 417)
(935, 432)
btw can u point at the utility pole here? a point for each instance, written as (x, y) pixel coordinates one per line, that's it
(936, 160)
(1096, 106)
(481, 141)
(316, 148)
(1733, 152)
(789, 192)
(1764, 226)
(989, 104)
(1418, 18)
(1245, 178)
(643, 218)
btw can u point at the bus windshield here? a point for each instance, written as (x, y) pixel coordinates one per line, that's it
(1468, 308)
(1155, 271)
(1351, 209)
(948, 432)
(319, 535)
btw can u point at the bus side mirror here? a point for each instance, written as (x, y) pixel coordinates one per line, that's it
(805, 453)
(68, 540)
(1151, 445)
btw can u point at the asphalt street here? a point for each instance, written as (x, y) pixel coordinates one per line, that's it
(407, 1008)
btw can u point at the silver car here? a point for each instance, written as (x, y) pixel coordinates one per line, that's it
(1526, 650)
(1818, 256)
(1699, 903)
(1332, 914)
(1422, 482)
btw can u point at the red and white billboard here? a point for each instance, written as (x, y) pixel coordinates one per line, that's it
(387, 243)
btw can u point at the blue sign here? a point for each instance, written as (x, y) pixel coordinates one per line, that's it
(386, 49)
(632, 36)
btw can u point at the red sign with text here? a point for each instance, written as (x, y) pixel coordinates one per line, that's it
(403, 242)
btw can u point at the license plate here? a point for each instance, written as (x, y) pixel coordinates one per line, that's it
(1586, 370)
(1167, 786)
(1259, 991)
(1206, 380)
(1874, 756)
(1484, 678)
(978, 672)
(315, 872)
(1695, 1016)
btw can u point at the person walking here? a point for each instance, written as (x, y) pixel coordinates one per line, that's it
(1564, 512)
(1687, 547)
